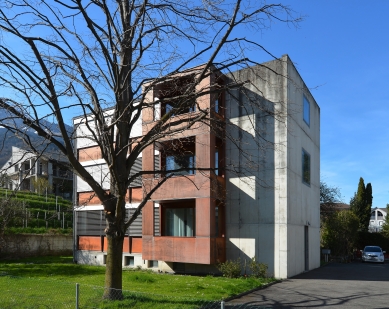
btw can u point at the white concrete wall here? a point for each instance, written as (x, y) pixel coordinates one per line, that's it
(303, 199)
(268, 206)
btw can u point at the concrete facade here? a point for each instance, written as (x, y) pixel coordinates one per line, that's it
(266, 203)
(270, 210)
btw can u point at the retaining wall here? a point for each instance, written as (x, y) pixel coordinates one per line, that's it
(23, 245)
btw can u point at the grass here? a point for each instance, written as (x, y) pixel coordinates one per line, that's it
(51, 282)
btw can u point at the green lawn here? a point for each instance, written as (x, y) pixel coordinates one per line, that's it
(51, 283)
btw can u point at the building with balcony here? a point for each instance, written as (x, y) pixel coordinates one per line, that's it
(246, 182)
(23, 170)
(377, 219)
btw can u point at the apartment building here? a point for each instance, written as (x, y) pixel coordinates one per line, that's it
(247, 181)
(377, 219)
(23, 169)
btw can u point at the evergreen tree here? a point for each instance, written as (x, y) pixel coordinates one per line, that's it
(361, 204)
(368, 204)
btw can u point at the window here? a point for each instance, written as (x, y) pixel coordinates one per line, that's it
(372, 215)
(217, 162)
(16, 167)
(129, 261)
(306, 111)
(177, 95)
(180, 109)
(179, 221)
(152, 264)
(306, 167)
(216, 106)
(178, 156)
(178, 162)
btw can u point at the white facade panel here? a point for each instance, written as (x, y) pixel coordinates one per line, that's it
(100, 173)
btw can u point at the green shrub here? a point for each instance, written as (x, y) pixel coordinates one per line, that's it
(230, 269)
(258, 270)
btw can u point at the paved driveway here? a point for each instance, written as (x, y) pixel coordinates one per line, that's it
(354, 285)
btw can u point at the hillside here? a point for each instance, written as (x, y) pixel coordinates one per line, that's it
(40, 211)
(7, 139)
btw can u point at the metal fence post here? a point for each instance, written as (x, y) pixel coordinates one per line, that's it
(222, 304)
(77, 294)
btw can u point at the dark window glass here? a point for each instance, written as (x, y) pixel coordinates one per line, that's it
(306, 163)
(180, 222)
(306, 111)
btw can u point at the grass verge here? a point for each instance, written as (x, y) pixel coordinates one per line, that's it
(49, 282)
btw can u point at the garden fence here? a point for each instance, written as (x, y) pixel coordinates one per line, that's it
(33, 293)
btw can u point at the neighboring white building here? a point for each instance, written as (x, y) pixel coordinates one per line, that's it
(23, 166)
(271, 207)
(377, 219)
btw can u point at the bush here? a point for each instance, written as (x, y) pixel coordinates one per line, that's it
(258, 270)
(230, 269)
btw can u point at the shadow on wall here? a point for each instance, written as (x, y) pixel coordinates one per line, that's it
(250, 151)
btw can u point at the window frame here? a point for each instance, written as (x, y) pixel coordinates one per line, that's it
(306, 111)
(172, 207)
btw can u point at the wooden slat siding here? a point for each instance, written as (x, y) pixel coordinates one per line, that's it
(89, 154)
(135, 228)
(136, 195)
(91, 243)
(88, 198)
(126, 244)
(84, 198)
(90, 222)
(156, 222)
(136, 245)
(136, 168)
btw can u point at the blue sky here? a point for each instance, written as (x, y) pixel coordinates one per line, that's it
(341, 50)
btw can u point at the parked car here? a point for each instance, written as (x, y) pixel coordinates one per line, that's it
(373, 254)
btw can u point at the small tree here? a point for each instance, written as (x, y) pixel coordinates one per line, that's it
(11, 212)
(339, 233)
(41, 185)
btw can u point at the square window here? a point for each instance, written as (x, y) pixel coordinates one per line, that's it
(153, 264)
(129, 261)
(306, 111)
(186, 162)
(178, 218)
(306, 167)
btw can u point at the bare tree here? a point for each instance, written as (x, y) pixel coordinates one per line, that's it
(330, 197)
(59, 56)
(12, 212)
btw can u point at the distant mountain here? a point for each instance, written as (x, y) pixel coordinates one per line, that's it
(7, 140)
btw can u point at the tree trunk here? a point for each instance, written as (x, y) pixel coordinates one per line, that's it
(113, 271)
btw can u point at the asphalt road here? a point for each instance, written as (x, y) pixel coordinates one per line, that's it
(336, 285)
